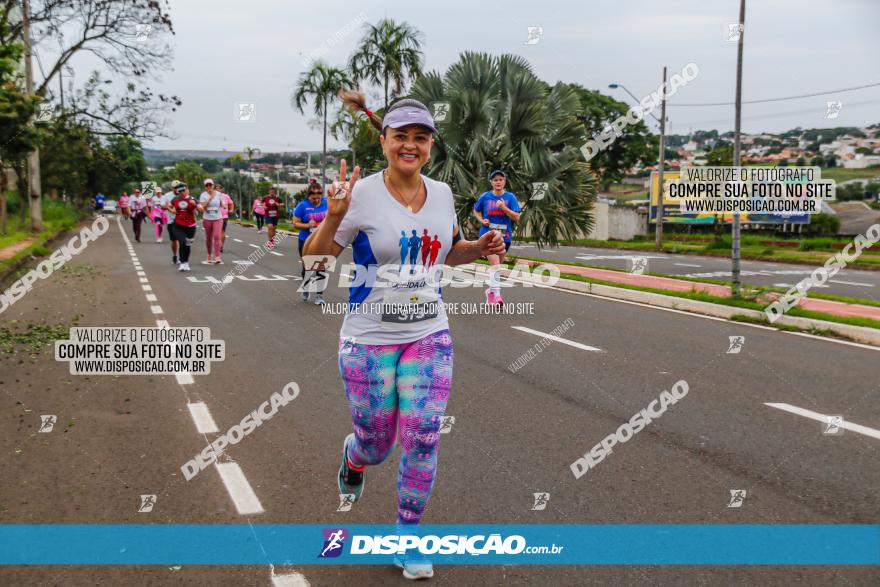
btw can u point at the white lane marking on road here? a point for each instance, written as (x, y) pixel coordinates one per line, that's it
(291, 580)
(244, 498)
(254, 246)
(144, 280)
(841, 282)
(151, 297)
(276, 254)
(202, 417)
(162, 323)
(824, 418)
(184, 378)
(686, 265)
(147, 287)
(557, 339)
(781, 285)
(156, 310)
(243, 262)
(141, 274)
(238, 240)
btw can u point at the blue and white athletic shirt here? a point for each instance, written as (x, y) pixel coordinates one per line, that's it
(385, 236)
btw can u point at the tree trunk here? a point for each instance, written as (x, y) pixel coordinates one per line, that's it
(2, 199)
(22, 193)
(324, 152)
(386, 91)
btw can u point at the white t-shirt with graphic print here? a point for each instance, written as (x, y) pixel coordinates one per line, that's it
(386, 237)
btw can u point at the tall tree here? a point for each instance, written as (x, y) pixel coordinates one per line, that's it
(635, 146)
(502, 116)
(320, 86)
(389, 53)
(16, 110)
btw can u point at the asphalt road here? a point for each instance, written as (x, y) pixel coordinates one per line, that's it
(848, 282)
(514, 434)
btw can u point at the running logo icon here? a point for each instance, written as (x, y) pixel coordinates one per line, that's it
(346, 500)
(541, 500)
(148, 189)
(147, 503)
(246, 112)
(47, 422)
(317, 267)
(539, 190)
(736, 344)
(833, 108)
(446, 424)
(334, 542)
(440, 111)
(639, 265)
(535, 33)
(734, 31)
(737, 496)
(833, 425)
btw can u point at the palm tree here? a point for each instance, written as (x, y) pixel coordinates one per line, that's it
(320, 85)
(388, 53)
(501, 116)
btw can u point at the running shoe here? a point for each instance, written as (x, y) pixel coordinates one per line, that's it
(414, 568)
(270, 244)
(206, 262)
(181, 267)
(350, 481)
(159, 240)
(319, 299)
(218, 261)
(185, 266)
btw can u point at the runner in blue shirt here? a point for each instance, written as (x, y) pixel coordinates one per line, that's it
(497, 209)
(99, 202)
(307, 217)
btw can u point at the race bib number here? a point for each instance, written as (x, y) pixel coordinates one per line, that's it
(272, 213)
(401, 308)
(496, 226)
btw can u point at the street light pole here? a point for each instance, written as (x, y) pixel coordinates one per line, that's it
(737, 160)
(658, 231)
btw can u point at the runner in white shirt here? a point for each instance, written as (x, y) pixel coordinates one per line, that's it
(138, 205)
(395, 356)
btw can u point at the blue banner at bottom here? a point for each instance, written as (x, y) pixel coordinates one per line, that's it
(471, 544)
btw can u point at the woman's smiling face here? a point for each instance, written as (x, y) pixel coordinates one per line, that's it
(408, 148)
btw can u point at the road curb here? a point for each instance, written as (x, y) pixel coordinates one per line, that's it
(860, 334)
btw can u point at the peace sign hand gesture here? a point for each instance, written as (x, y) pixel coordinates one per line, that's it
(341, 190)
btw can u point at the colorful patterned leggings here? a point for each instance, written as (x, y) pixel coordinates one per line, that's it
(399, 387)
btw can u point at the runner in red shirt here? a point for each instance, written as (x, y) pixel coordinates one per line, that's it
(185, 223)
(270, 205)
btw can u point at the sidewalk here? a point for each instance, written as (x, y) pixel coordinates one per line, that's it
(667, 283)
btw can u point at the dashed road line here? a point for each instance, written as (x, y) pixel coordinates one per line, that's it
(576, 345)
(243, 496)
(825, 418)
(202, 417)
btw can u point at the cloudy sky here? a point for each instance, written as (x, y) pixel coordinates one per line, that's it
(227, 52)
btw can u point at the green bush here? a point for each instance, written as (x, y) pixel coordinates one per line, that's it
(823, 224)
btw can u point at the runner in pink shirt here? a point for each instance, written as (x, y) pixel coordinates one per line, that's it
(123, 205)
(259, 212)
(226, 208)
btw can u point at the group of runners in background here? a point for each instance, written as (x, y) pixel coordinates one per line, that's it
(495, 209)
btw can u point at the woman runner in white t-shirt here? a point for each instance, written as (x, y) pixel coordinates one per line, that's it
(395, 352)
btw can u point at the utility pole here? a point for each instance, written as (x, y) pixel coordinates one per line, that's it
(735, 229)
(33, 160)
(658, 230)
